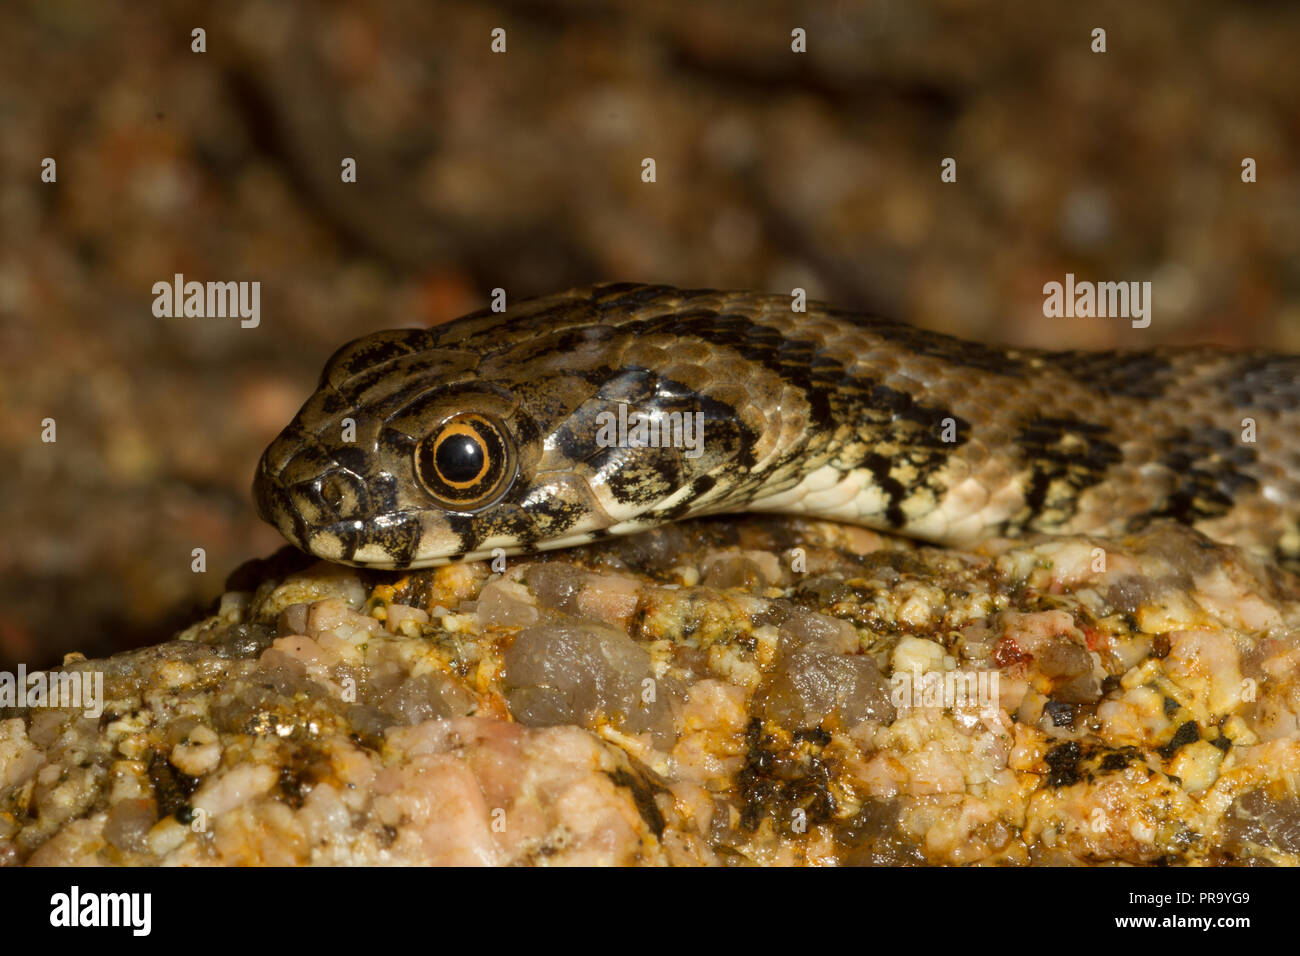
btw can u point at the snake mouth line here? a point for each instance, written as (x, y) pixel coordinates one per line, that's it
(391, 541)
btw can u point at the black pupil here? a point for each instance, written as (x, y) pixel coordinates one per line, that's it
(459, 458)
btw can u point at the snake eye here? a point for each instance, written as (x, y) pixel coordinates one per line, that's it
(466, 463)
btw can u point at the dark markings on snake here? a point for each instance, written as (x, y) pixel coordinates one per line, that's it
(352, 457)
(702, 484)
(382, 492)
(573, 439)
(791, 358)
(552, 516)
(514, 523)
(399, 540)
(821, 378)
(1207, 470)
(651, 477)
(1269, 382)
(399, 444)
(1122, 374)
(351, 535)
(1066, 456)
(881, 467)
(364, 355)
(332, 403)
(568, 342)
(526, 431)
(622, 296)
(463, 527)
(932, 420)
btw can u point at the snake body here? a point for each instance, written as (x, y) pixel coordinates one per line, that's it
(422, 446)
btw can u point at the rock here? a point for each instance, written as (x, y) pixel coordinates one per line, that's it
(888, 703)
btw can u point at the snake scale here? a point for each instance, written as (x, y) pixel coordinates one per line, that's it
(423, 446)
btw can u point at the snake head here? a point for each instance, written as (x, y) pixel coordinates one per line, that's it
(423, 446)
(400, 447)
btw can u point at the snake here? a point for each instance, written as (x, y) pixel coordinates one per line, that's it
(615, 408)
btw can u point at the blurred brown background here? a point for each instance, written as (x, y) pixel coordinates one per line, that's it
(522, 170)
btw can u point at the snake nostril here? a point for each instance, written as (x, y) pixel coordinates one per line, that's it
(332, 491)
(337, 494)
